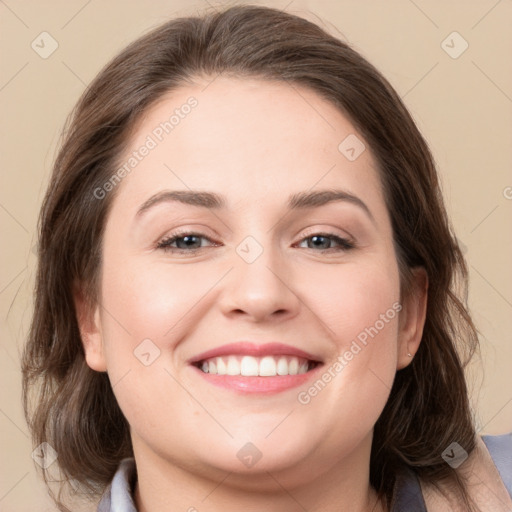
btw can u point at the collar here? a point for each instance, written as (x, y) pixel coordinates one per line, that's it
(118, 497)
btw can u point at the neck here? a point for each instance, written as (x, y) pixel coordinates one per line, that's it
(344, 486)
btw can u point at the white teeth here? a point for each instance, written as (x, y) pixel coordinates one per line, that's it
(233, 367)
(249, 366)
(282, 366)
(293, 366)
(221, 366)
(267, 367)
(304, 367)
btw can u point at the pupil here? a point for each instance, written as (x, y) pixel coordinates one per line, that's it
(186, 240)
(316, 238)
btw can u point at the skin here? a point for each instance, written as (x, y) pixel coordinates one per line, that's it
(255, 142)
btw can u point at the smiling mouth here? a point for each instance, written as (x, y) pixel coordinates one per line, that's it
(253, 366)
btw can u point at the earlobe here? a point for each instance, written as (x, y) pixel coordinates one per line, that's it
(412, 321)
(88, 319)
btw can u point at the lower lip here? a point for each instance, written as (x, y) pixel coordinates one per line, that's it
(260, 385)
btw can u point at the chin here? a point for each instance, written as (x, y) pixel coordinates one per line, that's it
(257, 455)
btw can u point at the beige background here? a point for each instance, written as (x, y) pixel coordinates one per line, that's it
(462, 105)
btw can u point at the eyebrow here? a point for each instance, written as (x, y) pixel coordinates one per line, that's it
(297, 201)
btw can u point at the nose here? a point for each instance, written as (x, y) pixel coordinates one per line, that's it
(261, 290)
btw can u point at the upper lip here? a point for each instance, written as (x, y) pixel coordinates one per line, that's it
(253, 349)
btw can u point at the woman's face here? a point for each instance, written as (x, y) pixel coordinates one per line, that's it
(287, 282)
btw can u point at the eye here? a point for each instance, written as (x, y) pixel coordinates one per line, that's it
(185, 242)
(189, 242)
(323, 241)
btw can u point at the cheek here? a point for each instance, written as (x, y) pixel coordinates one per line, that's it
(360, 309)
(152, 301)
(356, 297)
(355, 384)
(147, 311)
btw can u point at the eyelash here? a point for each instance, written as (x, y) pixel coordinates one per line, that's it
(165, 243)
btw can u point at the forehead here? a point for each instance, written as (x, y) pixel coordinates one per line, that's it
(248, 138)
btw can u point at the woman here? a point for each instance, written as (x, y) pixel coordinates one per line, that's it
(249, 293)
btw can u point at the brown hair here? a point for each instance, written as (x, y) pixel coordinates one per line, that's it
(73, 407)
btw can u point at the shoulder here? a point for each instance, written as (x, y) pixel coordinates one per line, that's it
(499, 446)
(500, 450)
(487, 471)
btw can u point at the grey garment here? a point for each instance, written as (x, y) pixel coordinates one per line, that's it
(407, 496)
(500, 448)
(118, 496)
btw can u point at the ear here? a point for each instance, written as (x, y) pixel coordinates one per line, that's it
(88, 318)
(412, 318)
